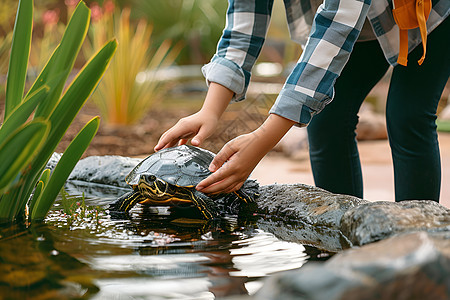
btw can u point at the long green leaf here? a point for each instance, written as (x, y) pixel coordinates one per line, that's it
(38, 190)
(22, 112)
(18, 150)
(20, 51)
(63, 58)
(37, 193)
(74, 98)
(63, 115)
(64, 168)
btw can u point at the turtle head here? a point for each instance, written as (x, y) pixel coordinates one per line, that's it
(153, 187)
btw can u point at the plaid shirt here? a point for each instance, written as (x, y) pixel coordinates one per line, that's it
(327, 37)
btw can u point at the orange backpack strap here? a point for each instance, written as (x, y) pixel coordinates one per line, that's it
(410, 14)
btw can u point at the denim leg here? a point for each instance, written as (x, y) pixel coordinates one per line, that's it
(411, 118)
(332, 145)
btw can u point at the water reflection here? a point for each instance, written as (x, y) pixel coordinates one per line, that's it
(152, 255)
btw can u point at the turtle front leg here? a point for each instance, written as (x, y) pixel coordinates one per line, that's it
(205, 205)
(126, 202)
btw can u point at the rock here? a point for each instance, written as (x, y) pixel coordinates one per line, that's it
(294, 144)
(411, 266)
(308, 204)
(109, 170)
(375, 221)
(305, 214)
(53, 161)
(371, 126)
(320, 237)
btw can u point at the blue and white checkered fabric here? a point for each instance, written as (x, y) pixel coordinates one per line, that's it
(327, 37)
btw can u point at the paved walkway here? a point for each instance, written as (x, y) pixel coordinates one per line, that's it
(377, 170)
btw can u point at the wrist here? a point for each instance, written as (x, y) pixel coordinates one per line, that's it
(271, 131)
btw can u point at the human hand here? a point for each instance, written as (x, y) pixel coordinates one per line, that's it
(198, 126)
(233, 164)
(237, 159)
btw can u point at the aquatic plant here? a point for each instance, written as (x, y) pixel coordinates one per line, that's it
(27, 139)
(131, 85)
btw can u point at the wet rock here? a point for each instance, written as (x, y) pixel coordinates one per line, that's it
(53, 161)
(410, 266)
(305, 214)
(109, 170)
(375, 221)
(320, 237)
(308, 204)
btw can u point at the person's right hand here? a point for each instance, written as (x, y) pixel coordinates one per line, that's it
(197, 127)
(200, 125)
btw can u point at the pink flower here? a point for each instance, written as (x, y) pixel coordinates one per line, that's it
(108, 6)
(96, 12)
(51, 17)
(71, 3)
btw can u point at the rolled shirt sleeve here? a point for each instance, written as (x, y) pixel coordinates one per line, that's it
(240, 45)
(310, 86)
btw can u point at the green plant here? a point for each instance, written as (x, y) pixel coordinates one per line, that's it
(121, 98)
(28, 140)
(43, 44)
(71, 204)
(196, 24)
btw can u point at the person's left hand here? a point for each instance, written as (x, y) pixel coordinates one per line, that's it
(237, 159)
(233, 164)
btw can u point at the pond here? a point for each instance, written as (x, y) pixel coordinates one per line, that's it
(150, 255)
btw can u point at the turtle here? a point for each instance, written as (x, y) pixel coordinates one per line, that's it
(168, 178)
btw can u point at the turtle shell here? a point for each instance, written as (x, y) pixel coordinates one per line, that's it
(182, 166)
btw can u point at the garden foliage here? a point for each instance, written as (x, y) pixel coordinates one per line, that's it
(131, 85)
(196, 24)
(35, 123)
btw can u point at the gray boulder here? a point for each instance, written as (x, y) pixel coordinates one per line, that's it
(410, 266)
(305, 214)
(300, 202)
(375, 221)
(108, 170)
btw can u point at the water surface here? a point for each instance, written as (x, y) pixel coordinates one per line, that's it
(151, 255)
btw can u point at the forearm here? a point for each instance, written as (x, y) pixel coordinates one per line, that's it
(216, 100)
(272, 131)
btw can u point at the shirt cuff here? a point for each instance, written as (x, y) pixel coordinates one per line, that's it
(297, 107)
(227, 73)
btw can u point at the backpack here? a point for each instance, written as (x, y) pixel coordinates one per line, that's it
(410, 14)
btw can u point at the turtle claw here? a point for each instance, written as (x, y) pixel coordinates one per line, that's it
(125, 203)
(207, 207)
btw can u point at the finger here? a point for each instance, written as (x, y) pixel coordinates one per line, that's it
(202, 134)
(222, 186)
(171, 137)
(212, 179)
(224, 154)
(182, 142)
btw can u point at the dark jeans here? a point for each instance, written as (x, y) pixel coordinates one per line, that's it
(413, 97)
